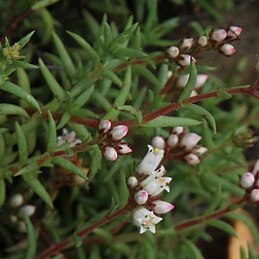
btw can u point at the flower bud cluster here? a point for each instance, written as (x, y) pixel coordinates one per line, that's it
(250, 182)
(16, 202)
(184, 145)
(218, 39)
(68, 137)
(111, 142)
(146, 187)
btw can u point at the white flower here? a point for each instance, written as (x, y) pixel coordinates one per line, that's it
(185, 60)
(173, 52)
(172, 140)
(69, 137)
(190, 140)
(104, 126)
(29, 210)
(145, 219)
(192, 159)
(227, 49)
(199, 150)
(200, 81)
(162, 207)
(218, 35)
(124, 149)
(132, 181)
(16, 200)
(154, 175)
(110, 153)
(155, 185)
(178, 130)
(151, 160)
(119, 132)
(141, 197)
(203, 41)
(256, 167)
(187, 43)
(158, 142)
(255, 195)
(247, 180)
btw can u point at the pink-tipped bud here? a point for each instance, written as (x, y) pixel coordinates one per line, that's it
(192, 159)
(29, 210)
(124, 149)
(132, 182)
(190, 140)
(119, 132)
(172, 140)
(141, 197)
(162, 207)
(110, 153)
(255, 195)
(218, 35)
(227, 49)
(234, 32)
(200, 81)
(187, 43)
(104, 126)
(203, 41)
(173, 52)
(158, 142)
(247, 180)
(199, 150)
(16, 200)
(178, 130)
(185, 60)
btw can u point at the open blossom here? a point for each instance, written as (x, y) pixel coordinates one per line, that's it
(151, 160)
(145, 220)
(162, 207)
(69, 137)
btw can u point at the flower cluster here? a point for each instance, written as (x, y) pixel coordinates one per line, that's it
(17, 202)
(218, 39)
(111, 142)
(181, 145)
(68, 137)
(146, 188)
(250, 182)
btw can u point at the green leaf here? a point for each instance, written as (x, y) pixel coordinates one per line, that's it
(24, 65)
(10, 109)
(222, 226)
(130, 53)
(52, 133)
(112, 76)
(43, 4)
(2, 192)
(54, 86)
(206, 114)
(167, 121)
(64, 163)
(64, 56)
(23, 41)
(123, 190)
(30, 179)
(85, 45)
(64, 119)
(22, 143)
(19, 92)
(84, 97)
(32, 237)
(135, 112)
(190, 84)
(196, 254)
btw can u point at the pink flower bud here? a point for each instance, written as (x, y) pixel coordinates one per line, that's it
(192, 159)
(29, 210)
(158, 142)
(203, 41)
(110, 153)
(190, 140)
(104, 126)
(132, 182)
(199, 150)
(141, 197)
(172, 140)
(187, 43)
(124, 149)
(185, 60)
(234, 31)
(247, 180)
(178, 130)
(16, 200)
(119, 132)
(162, 207)
(200, 80)
(227, 49)
(173, 52)
(255, 195)
(218, 35)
